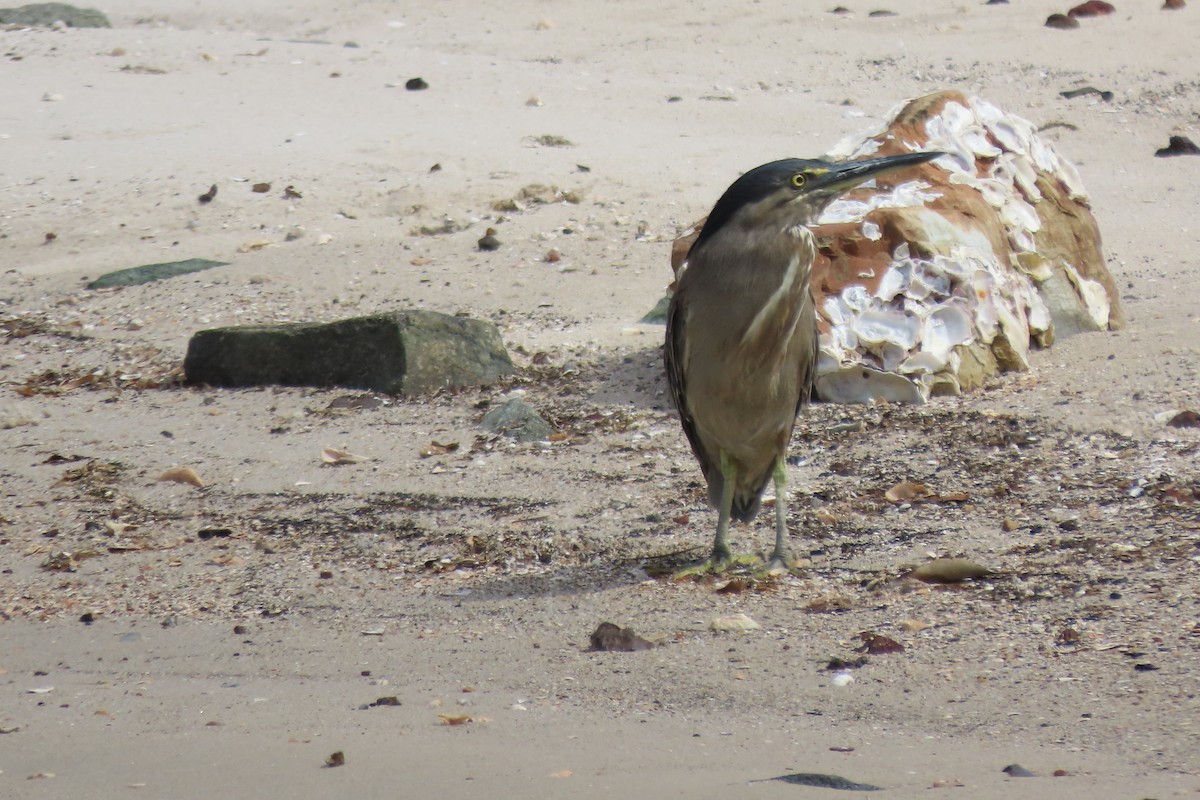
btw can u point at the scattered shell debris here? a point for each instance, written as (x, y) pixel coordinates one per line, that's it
(951, 274)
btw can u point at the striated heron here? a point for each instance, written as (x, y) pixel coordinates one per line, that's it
(741, 349)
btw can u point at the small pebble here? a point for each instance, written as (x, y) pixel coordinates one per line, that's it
(1061, 21)
(489, 242)
(416, 84)
(1092, 8)
(1017, 771)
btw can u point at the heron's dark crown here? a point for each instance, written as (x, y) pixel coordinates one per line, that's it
(804, 186)
(757, 184)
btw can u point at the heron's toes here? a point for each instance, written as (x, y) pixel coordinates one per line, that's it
(717, 565)
(777, 567)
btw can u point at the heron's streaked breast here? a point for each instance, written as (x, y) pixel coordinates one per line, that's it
(774, 323)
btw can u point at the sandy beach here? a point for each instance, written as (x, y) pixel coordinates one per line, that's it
(160, 639)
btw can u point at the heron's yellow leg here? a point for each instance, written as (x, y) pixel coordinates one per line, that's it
(780, 560)
(722, 557)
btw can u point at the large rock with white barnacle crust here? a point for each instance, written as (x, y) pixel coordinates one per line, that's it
(935, 278)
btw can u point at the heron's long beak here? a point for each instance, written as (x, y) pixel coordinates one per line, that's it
(842, 177)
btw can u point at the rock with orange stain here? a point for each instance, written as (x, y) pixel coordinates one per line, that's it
(934, 279)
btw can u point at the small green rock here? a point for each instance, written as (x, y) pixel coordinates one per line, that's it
(517, 419)
(403, 352)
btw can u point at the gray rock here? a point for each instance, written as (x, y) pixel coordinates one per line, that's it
(404, 352)
(46, 14)
(517, 419)
(132, 276)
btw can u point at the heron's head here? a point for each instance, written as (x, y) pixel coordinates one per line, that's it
(794, 191)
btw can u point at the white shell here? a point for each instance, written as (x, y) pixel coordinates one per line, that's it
(856, 298)
(946, 327)
(894, 281)
(878, 327)
(986, 322)
(922, 361)
(928, 279)
(860, 384)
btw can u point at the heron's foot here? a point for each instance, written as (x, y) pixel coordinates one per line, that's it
(717, 564)
(778, 566)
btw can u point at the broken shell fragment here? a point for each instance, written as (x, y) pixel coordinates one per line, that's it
(334, 456)
(907, 491)
(182, 475)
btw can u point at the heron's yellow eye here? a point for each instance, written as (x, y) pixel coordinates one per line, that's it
(798, 180)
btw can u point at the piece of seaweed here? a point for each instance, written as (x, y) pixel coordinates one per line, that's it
(133, 276)
(822, 781)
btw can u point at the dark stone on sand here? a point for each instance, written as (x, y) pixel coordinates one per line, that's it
(1061, 21)
(517, 419)
(403, 352)
(1092, 8)
(1017, 771)
(133, 276)
(416, 84)
(611, 638)
(488, 243)
(1178, 146)
(1185, 419)
(46, 14)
